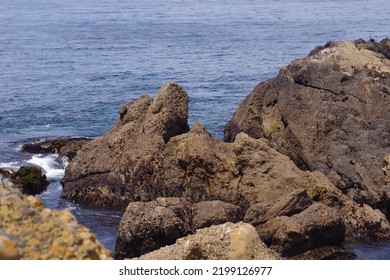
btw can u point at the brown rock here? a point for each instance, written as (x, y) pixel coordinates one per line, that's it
(30, 231)
(223, 242)
(326, 253)
(287, 205)
(121, 166)
(209, 213)
(147, 226)
(317, 226)
(328, 112)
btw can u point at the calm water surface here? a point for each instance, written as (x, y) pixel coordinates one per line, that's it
(67, 66)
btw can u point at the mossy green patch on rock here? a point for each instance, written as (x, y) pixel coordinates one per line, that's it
(30, 180)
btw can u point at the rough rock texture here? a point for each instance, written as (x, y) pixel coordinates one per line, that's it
(147, 226)
(223, 242)
(326, 253)
(120, 166)
(208, 213)
(28, 230)
(317, 226)
(329, 112)
(287, 205)
(29, 180)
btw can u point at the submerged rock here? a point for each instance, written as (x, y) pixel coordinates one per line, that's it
(328, 112)
(67, 146)
(223, 242)
(30, 231)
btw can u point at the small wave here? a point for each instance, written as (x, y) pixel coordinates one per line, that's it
(13, 165)
(52, 165)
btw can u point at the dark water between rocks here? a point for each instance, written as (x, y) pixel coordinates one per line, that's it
(68, 66)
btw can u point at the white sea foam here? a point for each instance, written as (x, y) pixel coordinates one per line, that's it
(13, 165)
(52, 165)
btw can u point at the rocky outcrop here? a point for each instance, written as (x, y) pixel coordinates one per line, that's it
(67, 146)
(329, 112)
(317, 226)
(28, 230)
(121, 166)
(147, 226)
(223, 242)
(29, 180)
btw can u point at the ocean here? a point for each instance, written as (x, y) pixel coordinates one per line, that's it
(68, 66)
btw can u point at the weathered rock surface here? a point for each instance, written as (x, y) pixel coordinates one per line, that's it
(317, 226)
(287, 205)
(208, 213)
(28, 230)
(120, 166)
(67, 146)
(147, 226)
(329, 112)
(223, 242)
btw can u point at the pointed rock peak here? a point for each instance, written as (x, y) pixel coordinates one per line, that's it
(197, 128)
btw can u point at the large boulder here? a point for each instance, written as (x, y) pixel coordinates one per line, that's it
(28, 230)
(223, 242)
(147, 226)
(329, 112)
(29, 179)
(120, 166)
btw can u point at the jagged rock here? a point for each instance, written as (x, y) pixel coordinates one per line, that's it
(29, 180)
(223, 242)
(121, 166)
(147, 226)
(208, 213)
(317, 226)
(67, 146)
(326, 253)
(328, 112)
(287, 205)
(28, 230)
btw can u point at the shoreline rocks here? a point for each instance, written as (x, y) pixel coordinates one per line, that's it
(30, 231)
(329, 113)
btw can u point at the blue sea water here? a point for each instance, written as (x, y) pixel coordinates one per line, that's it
(66, 67)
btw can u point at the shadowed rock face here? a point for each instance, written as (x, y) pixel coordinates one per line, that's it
(329, 112)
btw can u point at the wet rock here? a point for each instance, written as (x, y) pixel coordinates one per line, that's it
(317, 226)
(326, 253)
(287, 205)
(147, 226)
(29, 180)
(328, 112)
(223, 242)
(67, 146)
(28, 230)
(208, 213)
